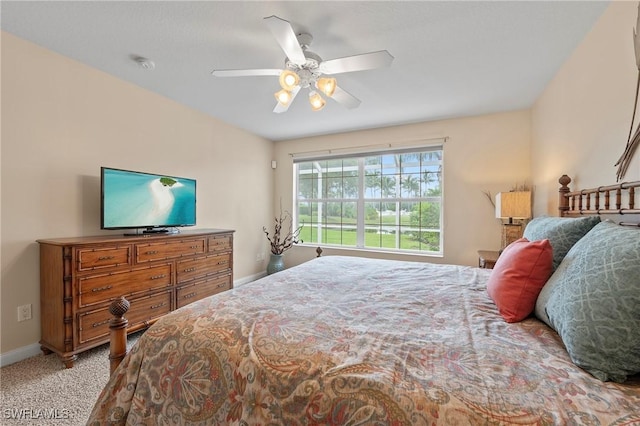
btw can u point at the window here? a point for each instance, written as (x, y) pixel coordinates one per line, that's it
(380, 201)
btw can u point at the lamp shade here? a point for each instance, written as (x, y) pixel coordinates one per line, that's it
(317, 103)
(327, 85)
(288, 80)
(513, 205)
(283, 97)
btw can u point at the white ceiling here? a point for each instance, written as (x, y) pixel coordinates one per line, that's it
(452, 58)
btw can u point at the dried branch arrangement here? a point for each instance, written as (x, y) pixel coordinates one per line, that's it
(279, 242)
(632, 142)
(489, 196)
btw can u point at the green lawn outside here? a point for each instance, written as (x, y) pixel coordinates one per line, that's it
(372, 240)
(405, 220)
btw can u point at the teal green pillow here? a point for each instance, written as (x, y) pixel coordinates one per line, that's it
(562, 232)
(594, 302)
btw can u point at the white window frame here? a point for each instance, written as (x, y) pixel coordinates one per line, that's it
(361, 199)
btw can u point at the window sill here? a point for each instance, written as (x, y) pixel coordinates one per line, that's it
(387, 253)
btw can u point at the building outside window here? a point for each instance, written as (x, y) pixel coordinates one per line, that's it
(387, 201)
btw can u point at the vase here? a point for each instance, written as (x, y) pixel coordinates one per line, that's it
(276, 264)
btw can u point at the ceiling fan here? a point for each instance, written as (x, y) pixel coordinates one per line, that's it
(304, 69)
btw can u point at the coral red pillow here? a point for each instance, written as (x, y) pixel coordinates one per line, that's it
(521, 271)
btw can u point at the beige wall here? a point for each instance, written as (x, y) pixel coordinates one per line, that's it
(581, 122)
(62, 120)
(485, 153)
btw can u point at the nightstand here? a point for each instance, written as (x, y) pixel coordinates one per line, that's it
(487, 258)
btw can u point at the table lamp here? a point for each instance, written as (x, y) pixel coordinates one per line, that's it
(513, 205)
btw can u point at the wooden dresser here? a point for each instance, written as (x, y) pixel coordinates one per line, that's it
(157, 273)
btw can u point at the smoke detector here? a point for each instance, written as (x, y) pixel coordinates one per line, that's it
(144, 63)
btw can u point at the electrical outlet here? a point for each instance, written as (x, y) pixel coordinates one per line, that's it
(260, 257)
(24, 312)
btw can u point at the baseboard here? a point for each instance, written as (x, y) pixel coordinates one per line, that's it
(19, 354)
(25, 352)
(250, 278)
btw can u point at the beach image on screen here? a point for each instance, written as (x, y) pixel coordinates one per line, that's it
(143, 200)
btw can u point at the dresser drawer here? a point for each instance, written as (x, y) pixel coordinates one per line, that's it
(200, 289)
(169, 250)
(100, 288)
(220, 243)
(146, 309)
(89, 259)
(95, 324)
(191, 269)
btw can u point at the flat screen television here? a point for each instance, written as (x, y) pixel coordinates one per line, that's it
(146, 201)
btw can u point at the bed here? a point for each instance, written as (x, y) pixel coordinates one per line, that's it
(353, 341)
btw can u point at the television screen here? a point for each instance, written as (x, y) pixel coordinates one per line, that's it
(133, 199)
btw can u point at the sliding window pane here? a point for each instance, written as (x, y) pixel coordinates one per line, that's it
(389, 186)
(410, 185)
(350, 186)
(372, 213)
(406, 211)
(373, 186)
(334, 186)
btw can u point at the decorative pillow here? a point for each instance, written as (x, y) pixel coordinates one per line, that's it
(562, 232)
(594, 302)
(518, 276)
(541, 303)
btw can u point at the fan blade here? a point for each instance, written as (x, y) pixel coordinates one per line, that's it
(286, 38)
(282, 108)
(366, 61)
(246, 73)
(345, 98)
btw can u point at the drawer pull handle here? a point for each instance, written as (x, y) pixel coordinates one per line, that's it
(97, 289)
(223, 262)
(157, 277)
(106, 257)
(159, 305)
(98, 324)
(152, 252)
(195, 247)
(221, 285)
(190, 295)
(189, 270)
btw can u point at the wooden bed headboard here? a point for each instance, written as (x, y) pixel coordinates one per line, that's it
(617, 201)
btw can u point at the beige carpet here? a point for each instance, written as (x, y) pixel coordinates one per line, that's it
(41, 391)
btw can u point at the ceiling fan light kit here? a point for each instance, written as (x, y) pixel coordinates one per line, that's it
(305, 76)
(305, 69)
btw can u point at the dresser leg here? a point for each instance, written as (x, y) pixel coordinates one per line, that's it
(69, 360)
(45, 351)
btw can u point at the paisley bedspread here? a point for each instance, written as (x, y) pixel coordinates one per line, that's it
(352, 341)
